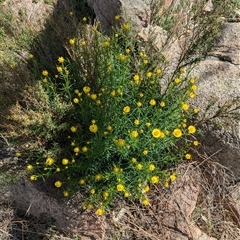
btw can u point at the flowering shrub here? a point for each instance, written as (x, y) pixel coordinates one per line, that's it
(123, 125)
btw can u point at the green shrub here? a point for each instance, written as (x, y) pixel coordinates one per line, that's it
(120, 126)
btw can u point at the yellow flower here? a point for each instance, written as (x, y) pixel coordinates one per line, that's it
(89, 206)
(120, 142)
(136, 78)
(192, 80)
(145, 202)
(76, 150)
(100, 211)
(93, 128)
(120, 187)
(65, 193)
(49, 161)
(195, 110)
(126, 194)
(127, 50)
(86, 89)
(192, 95)
(105, 195)
(84, 149)
(45, 73)
(117, 17)
(166, 184)
(122, 57)
(109, 128)
(191, 129)
(139, 166)
(134, 160)
(58, 184)
(73, 129)
(145, 152)
(72, 41)
(18, 154)
(152, 102)
(61, 60)
(76, 91)
(126, 109)
(145, 61)
(188, 156)
(115, 169)
(195, 143)
(154, 179)
(134, 134)
(136, 122)
(83, 43)
(185, 106)
(98, 177)
(59, 69)
(126, 26)
(177, 133)
(33, 177)
(65, 161)
(173, 177)
(113, 93)
(106, 43)
(181, 70)
(30, 56)
(93, 96)
(29, 167)
(177, 80)
(148, 124)
(76, 100)
(162, 104)
(58, 169)
(151, 167)
(141, 95)
(157, 133)
(139, 104)
(149, 74)
(84, 19)
(158, 71)
(146, 188)
(92, 191)
(81, 181)
(194, 88)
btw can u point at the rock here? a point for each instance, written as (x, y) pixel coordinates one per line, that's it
(24, 196)
(197, 234)
(228, 46)
(232, 203)
(106, 10)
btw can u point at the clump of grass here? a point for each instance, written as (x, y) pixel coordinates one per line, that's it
(119, 131)
(104, 119)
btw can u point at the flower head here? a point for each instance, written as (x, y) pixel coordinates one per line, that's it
(45, 73)
(154, 179)
(73, 129)
(72, 41)
(126, 109)
(61, 60)
(120, 187)
(191, 129)
(93, 128)
(100, 211)
(177, 133)
(152, 102)
(58, 184)
(29, 167)
(65, 161)
(86, 89)
(49, 161)
(157, 133)
(120, 142)
(134, 134)
(151, 167)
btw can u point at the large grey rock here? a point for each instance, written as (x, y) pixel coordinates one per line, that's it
(106, 10)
